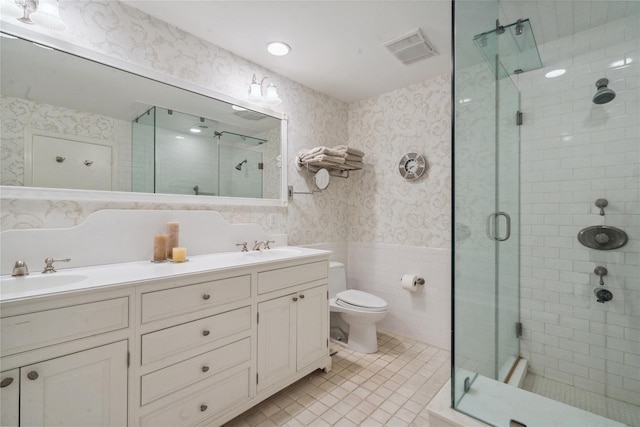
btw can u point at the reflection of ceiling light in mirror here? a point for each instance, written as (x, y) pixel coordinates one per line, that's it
(195, 130)
(179, 137)
(238, 108)
(7, 36)
(465, 100)
(621, 63)
(555, 73)
(278, 48)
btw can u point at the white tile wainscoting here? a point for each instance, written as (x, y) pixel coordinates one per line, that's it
(423, 315)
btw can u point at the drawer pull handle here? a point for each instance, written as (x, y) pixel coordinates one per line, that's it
(33, 375)
(302, 296)
(203, 408)
(6, 382)
(205, 332)
(295, 299)
(206, 296)
(205, 368)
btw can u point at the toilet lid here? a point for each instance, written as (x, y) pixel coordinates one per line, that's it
(360, 300)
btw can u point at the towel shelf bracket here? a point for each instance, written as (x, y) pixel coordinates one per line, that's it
(312, 167)
(291, 192)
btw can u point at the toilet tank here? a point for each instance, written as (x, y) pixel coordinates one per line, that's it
(337, 278)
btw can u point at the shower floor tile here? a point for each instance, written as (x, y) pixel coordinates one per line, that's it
(589, 401)
(389, 388)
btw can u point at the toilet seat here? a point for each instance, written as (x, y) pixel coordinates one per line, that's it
(361, 301)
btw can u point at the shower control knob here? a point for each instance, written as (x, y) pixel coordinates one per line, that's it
(603, 295)
(602, 238)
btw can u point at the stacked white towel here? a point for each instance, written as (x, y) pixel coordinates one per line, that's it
(340, 157)
(353, 157)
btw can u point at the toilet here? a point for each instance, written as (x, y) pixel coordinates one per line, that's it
(360, 310)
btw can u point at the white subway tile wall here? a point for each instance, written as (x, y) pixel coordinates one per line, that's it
(572, 153)
(423, 315)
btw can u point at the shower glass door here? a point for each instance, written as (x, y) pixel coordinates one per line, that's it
(486, 214)
(507, 226)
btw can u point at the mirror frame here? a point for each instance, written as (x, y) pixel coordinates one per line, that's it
(41, 193)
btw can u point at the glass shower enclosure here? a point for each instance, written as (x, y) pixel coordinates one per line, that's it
(179, 153)
(487, 159)
(532, 340)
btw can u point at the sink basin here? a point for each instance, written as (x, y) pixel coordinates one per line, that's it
(36, 282)
(274, 253)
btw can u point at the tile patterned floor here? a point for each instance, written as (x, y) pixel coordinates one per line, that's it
(389, 388)
(616, 410)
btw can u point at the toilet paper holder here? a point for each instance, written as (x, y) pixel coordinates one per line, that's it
(419, 280)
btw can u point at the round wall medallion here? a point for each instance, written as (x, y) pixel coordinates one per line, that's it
(412, 166)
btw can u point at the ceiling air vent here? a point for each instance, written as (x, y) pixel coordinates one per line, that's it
(410, 48)
(249, 115)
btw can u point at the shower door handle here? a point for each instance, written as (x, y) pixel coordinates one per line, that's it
(492, 226)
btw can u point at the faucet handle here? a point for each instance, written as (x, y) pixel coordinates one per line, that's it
(49, 268)
(244, 246)
(20, 268)
(266, 243)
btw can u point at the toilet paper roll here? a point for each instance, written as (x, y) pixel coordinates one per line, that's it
(409, 282)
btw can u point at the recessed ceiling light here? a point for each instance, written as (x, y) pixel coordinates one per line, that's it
(278, 48)
(195, 130)
(555, 73)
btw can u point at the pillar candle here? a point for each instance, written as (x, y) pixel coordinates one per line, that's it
(179, 254)
(173, 230)
(160, 247)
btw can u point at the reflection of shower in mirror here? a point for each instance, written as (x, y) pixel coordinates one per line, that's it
(239, 165)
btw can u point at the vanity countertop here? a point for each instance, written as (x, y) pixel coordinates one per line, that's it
(68, 280)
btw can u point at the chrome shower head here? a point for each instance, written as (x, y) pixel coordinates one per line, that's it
(239, 165)
(603, 94)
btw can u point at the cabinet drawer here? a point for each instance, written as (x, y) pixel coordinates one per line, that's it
(166, 342)
(199, 368)
(222, 394)
(284, 277)
(34, 330)
(172, 302)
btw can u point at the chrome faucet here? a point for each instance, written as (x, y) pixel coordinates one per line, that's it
(49, 268)
(20, 268)
(264, 244)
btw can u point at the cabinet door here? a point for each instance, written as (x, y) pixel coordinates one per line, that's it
(276, 340)
(313, 328)
(9, 397)
(88, 388)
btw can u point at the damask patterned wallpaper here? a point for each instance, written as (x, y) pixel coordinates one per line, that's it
(374, 204)
(383, 207)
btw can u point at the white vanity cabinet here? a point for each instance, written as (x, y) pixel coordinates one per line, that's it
(292, 334)
(68, 360)
(293, 316)
(196, 346)
(81, 389)
(10, 397)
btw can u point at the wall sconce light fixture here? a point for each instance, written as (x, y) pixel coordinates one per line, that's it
(268, 96)
(41, 12)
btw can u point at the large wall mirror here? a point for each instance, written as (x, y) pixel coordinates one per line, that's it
(74, 123)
